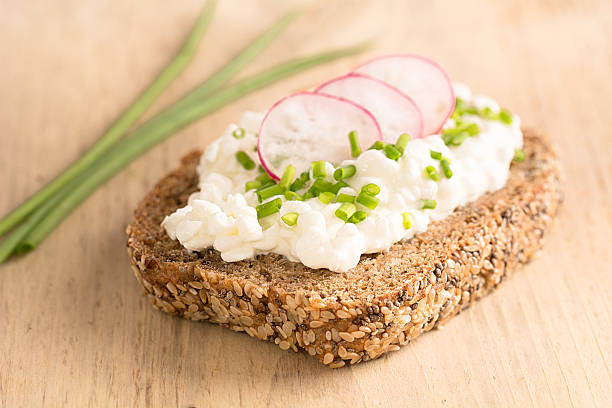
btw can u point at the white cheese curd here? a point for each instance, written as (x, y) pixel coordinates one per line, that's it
(223, 216)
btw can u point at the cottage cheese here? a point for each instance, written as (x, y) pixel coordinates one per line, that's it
(223, 216)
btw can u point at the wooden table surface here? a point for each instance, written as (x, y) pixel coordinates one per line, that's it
(75, 328)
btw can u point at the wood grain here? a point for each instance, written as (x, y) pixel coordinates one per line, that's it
(75, 329)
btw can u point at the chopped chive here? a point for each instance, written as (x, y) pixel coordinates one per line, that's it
(260, 169)
(270, 191)
(319, 169)
(269, 208)
(505, 116)
(378, 145)
(255, 149)
(407, 220)
(263, 177)
(354, 142)
(308, 195)
(238, 133)
(344, 172)
(321, 185)
(472, 128)
(519, 155)
(371, 189)
(287, 177)
(266, 184)
(402, 142)
(305, 175)
(432, 173)
(345, 211)
(293, 196)
(429, 204)
(488, 113)
(336, 187)
(345, 198)
(367, 200)
(446, 170)
(298, 184)
(290, 219)
(392, 152)
(326, 197)
(245, 160)
(435, 155)
(250, 185)
(357, 217)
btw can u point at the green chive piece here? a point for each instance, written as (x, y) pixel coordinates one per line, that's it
(260, 169)
(255, 150)
(345, 198)
(432, 173)
(367, 200)
(290, 219)
(407, 220)
(519, 155)
(245, 160)
(263, 177)
(239, 133)
(308, 195)
(298, 184)
(345, 211)
(392, 152)
(446, 170)
(378, 145)
(336, 187)
(371, 189)
(472, 128)
(269, 208)
(287, 177)
(402, 142)
(429, 204)
(321, 185)
(266, 184)
(354, 142)
(326, 197)
(357, 217)
(488, 113)
(250, 185)
(505, 116)
(270, 191)
(293, 196)
(319, 169)
(435, 155)
(344, 172)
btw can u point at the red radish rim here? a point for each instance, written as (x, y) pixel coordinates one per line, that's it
(261, 160)
(388, 85)
(432, 62)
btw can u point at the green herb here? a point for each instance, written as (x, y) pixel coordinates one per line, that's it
(446, 170)
(505, 117)
(435, 155)
(293, 196)
(239, 134)
(265, 184)
(290, 219)
(519, 155)
(407, 220)
(357, 217)
(245, 160)
(402, 142)
(345, 172)
(287, 177)
(345, 198)
(432, 173)
(250, 185)
(367, 200)
(255, 150)
(269, 208)
(260, 168)
(428, 204)
(326, 197)
(378, 145)
(322, 185)
(336, 187)
(345, 211)
(319, 169)
(298, 184)
(392, 152)
(354, 142)
(371, 189)
(270, 191)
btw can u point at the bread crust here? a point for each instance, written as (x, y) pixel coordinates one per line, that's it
(389, 299)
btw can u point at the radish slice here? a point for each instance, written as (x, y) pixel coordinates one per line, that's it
(423, 80)
(395, 112)
(307, 127)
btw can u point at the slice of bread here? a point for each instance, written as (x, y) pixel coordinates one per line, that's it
(385, 302)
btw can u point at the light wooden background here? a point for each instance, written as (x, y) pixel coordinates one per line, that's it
(75, 329)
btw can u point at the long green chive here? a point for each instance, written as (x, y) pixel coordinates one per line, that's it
(290, 218)
(151, 133)
(345, 211)
(446, 170)
(245, 160)
(270, 191)
(407, 220)
(321, 185)
(239, 133)
(519, 155)
(505, 116)
(326, 197)
(287, 177)
(319, 169)
(371, 189)
(392, 152)
(428, 204)
(336, 187)
(432, 173)
(367, 200)
(269, 208)
(250, 185)
(293, 196)
(435, 155)
(378, 145)
(354, 142)
(402, 142)
(357, 217)
(345, 198)
(345, 172)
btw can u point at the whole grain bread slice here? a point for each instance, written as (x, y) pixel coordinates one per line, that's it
(385, 302)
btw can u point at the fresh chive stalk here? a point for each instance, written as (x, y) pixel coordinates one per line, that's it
(239, 134)
(245, 160)
(402, 142)
(367, 200)
(336, 187)
(446, 170)
(407, 220)
(371, 189)
(345, 211)
(435, 155)
(269, 208)
(345, 198)
(322, 185)
(271, 191)
(428, 204)
(318, 169)
(290, 219)
(293, 196)
(287, 177)
(378, 145)
(326, 197)
(357, 217)
(250, 185)
(392, 152)
(432, 173)
(345, 172)
(354, 142)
